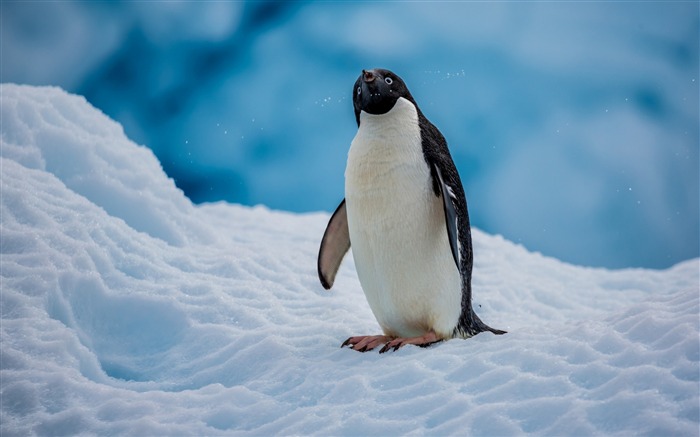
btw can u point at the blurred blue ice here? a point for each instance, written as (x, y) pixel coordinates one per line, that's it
(575, 125)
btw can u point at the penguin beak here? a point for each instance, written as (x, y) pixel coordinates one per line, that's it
(369, 87)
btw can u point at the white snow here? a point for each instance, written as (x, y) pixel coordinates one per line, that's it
(127, 310)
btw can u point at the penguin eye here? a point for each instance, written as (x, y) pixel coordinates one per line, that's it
(388, 80)
(359, 90)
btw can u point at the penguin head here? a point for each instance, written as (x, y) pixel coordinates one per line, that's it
(376, 92)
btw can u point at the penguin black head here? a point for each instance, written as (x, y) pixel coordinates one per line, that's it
(376, 92)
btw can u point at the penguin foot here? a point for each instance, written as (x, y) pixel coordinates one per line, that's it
(365, 343)
(422, 341)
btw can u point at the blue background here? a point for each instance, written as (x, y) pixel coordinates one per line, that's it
(574, 125)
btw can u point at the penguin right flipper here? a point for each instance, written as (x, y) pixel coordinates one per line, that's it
(334, 245)
(448, 199)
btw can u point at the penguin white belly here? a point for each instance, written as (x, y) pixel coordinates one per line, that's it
(397, 228)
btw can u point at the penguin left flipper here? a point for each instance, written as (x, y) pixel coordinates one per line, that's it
(448, 200)
(334, 245)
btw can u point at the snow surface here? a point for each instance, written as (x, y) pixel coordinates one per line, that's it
(127, 310)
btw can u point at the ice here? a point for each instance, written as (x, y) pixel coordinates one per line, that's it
(127, 310)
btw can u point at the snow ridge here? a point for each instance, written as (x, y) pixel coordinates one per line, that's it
(126, 309)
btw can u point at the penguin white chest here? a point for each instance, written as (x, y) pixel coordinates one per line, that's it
(397, 227)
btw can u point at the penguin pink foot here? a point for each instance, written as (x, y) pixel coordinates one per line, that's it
(422, 341)
(364, 343)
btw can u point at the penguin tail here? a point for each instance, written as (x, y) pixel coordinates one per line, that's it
(473, 325)
(483, 327)
(495, 331)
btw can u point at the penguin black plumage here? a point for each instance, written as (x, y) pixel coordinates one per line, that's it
(405, 213)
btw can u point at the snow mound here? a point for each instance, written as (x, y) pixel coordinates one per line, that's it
(126, 309)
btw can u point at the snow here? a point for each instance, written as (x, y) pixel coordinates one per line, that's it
(127, 310)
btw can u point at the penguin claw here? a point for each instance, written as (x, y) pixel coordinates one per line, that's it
(395, 344)
(385, 348)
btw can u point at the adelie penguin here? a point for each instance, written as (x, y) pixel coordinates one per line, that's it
(405, 214)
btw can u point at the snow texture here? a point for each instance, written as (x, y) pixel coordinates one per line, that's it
(127, 310)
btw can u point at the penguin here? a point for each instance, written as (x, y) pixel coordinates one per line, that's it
(405, 215)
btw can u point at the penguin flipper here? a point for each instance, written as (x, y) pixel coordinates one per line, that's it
(334, 245)
(448, 201)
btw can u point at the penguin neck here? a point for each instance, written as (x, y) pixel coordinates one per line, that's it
(390, 138)
(401, 118)
(386, 151)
